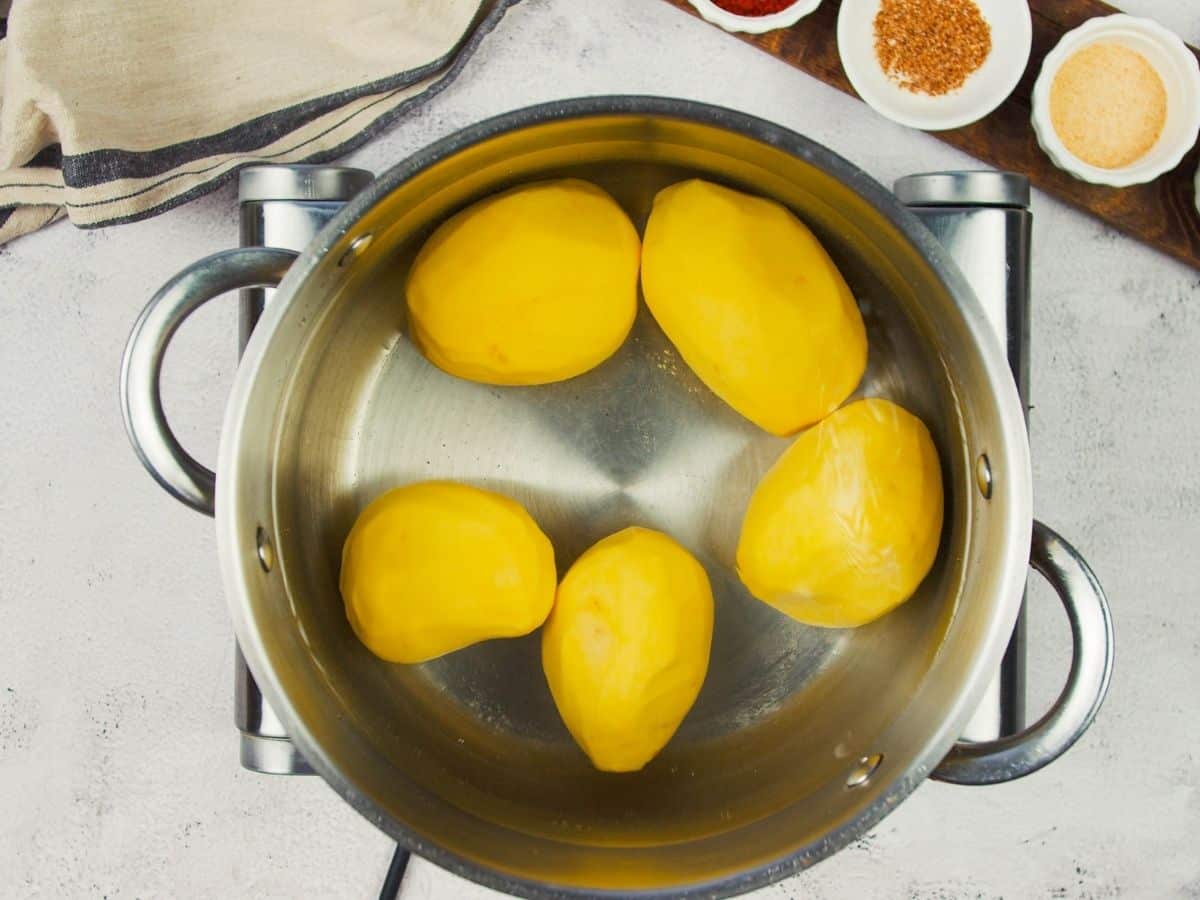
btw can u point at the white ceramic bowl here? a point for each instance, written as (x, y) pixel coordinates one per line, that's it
(1180, 75)
(985, 89)
(710, 12)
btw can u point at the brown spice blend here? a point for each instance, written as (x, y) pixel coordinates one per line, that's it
(931, 46)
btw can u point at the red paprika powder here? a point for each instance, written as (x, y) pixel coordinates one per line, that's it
(753, 7)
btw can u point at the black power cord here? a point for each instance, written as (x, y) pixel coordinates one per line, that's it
(395, 874)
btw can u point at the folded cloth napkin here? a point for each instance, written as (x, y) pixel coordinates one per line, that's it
(112, 110)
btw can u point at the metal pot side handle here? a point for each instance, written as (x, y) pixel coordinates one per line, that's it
(141, 399)
(1008, 758)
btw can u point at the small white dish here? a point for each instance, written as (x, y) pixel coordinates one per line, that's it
(785, 18)
(985, 88)
(1180, 74)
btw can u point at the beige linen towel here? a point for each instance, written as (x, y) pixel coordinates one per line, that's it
(112, 110)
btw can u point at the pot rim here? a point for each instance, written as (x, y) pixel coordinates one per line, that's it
(1015, 532)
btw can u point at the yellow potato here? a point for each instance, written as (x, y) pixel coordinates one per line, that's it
(753, 303)
(435, 566)
(626, 648)
(846, 524)
(534, 285)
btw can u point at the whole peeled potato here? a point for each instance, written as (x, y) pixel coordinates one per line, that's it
(435, 566)
(626, 648)
(846, 524)
(533, 285)
(753, 303)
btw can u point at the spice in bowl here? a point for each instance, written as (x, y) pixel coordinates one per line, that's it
(753, 16)
(1117, 101)
(753, 7)
(1108, 105)
(931, 46)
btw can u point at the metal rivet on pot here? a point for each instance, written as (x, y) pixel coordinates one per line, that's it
(266, 553)
(357, 246)
(983, 475)
(862, 773)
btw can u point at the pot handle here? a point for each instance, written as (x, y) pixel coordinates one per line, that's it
(141, 399)
(1014, 756)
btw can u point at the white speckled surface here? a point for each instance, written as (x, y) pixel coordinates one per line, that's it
(118, 772)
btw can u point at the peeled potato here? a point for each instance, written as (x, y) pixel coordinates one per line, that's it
(435, 566)
(753, 303)
(534, 285)
(626, 648)
(846, 524)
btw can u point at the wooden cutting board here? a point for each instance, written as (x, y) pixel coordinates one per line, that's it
(1162, 213)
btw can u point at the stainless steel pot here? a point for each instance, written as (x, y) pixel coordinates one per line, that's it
(802, 739)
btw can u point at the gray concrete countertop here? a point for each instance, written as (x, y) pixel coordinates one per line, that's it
(118, 768)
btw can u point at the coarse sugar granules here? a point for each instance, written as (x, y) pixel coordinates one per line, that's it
(931, 46)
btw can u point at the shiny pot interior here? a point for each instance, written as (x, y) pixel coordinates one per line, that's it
(801, 737)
